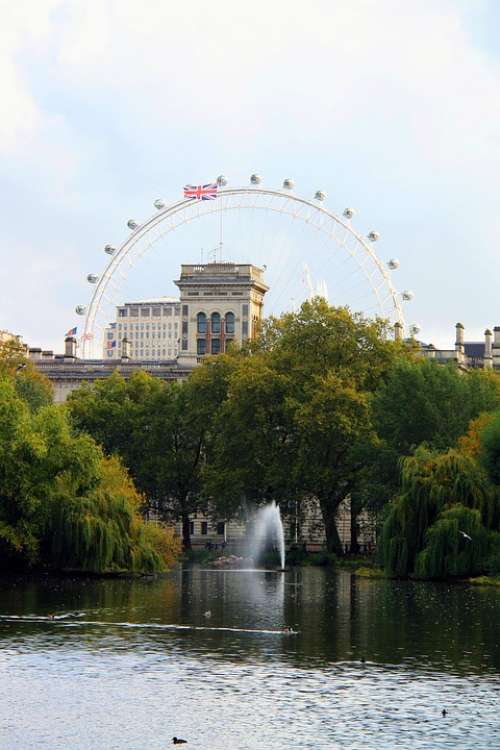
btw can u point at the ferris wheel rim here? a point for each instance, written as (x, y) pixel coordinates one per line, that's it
(171, 209)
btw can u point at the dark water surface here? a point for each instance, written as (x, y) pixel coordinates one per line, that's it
(129, 664)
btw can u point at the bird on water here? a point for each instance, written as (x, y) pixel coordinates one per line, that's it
(178, 741)
(444, 712)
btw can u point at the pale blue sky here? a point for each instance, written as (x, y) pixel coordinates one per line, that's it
(390, 107)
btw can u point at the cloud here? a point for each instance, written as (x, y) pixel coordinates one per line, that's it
(394, 102)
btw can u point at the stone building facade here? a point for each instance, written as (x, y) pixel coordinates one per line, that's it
(221, 303)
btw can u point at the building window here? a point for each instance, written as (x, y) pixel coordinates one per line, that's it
(184, 345)
(111, 335)
(184, 327)
(177, 309)
(185, 310)
(167, 311)
(134, 312)
(191, 527)
(221, 528)
(201, 347)
(145, 312)
(228, 344)
(110, 354)
(244, 329)
(122, 313)
(230, 322)
(244, 311)
(215, 322)
(201, 322)
(215, 346)
(204, 528)
(156, 311)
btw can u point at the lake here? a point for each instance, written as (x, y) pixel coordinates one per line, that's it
(199, 654)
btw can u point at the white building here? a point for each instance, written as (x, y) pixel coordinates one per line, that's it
(152, 328)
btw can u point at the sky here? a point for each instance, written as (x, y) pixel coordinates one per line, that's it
(390, 107)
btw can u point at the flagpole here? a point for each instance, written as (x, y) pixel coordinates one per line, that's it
(221, 230)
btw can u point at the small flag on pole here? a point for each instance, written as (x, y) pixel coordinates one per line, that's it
(111, 344)
(201, 192)
(72, 331)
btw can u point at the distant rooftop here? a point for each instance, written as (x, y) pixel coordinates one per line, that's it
(152, 301)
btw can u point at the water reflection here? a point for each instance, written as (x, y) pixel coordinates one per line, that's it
(373, 662)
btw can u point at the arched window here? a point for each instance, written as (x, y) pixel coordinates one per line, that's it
(215, 323)
(230, 323)
(202, 322)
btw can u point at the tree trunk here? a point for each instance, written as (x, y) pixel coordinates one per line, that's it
(186, 531)
(354, 546)
(329, 512)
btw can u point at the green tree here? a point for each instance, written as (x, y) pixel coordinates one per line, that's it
(61, 503)
(421, 401)
(297, 406)
(158, 429)
(434, 484)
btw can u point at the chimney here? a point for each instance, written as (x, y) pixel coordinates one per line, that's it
(70, 347)
(398, 331)
(126, 347)
(488, 353)
(459, 338)
(34, 353)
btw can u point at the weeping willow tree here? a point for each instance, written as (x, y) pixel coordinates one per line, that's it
(432, 484)
(454, 546)
(103, 531)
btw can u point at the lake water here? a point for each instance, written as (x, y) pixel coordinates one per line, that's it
(127, 665)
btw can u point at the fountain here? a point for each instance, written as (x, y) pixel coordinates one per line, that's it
(268, 528)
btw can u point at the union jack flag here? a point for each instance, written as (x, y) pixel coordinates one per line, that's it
(201, 192)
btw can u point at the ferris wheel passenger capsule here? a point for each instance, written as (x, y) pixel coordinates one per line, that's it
(132, 224)
(221, 180)
(80, 309)
(159, 204)
(393, 263)
(414, 329)
(320, 195)
(92, 278)
(407, 295)
(348, 213)
(109, 249)
(255, 179)
(373, 236)
(288, 183)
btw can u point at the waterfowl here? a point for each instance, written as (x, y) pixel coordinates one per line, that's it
(444, 712)
(207, 614)
(178, 741)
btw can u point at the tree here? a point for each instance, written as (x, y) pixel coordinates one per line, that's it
(61, 503)
(297, 405)
(157, 429)
(421, 401)
(433, 485)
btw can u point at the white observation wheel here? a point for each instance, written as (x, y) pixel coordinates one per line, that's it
(169, 217)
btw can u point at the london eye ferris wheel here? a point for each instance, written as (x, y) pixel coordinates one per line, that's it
(295, 239)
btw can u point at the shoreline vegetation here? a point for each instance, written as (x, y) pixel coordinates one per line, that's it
(322, 404)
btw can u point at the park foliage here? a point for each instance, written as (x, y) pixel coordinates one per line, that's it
(323, 404)
(64, 505)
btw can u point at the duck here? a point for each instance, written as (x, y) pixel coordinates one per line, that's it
(444, 712)
(178, 741)
(207, 615)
